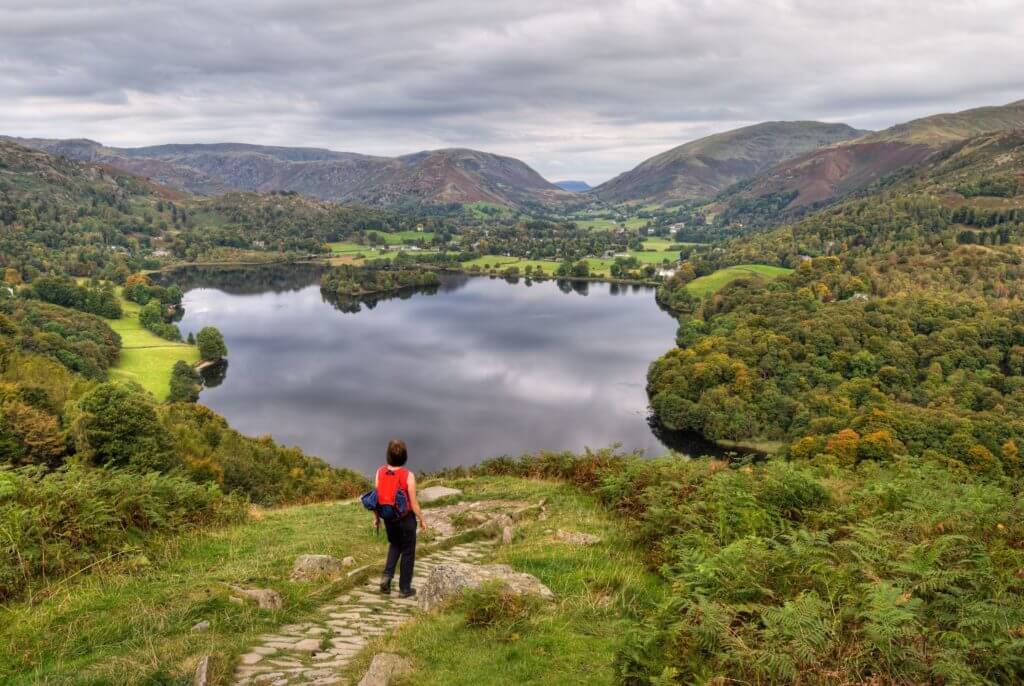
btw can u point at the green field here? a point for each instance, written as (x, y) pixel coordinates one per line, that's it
(598, 224)
(485, 210)
(501, 262)
(713, 282)
(146, 358)
(349, 248)
(402, 236)
(655, 256)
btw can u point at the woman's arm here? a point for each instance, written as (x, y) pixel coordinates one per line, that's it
(414, 501)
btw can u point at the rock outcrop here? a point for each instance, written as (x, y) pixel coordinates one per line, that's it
(313, 567)
(577, 537)
(201, 677)
(450, 580)
(433, 493)
(384, 668)
(265, 598)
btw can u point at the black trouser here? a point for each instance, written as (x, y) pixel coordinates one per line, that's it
(402, 537)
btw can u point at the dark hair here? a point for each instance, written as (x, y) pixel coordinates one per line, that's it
(397, 454)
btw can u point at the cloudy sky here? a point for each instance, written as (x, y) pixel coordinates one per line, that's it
(578, 89)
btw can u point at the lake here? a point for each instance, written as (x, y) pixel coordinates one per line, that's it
(476, 368)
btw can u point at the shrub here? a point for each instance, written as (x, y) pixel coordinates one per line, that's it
(493, 605)
(185, 383)
(59, 522)
(152, 317)
(900, 571)
(116, 425)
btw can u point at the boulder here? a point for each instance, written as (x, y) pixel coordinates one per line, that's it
(313, 567)
(577, 537)
(266, 599)
(436, 493)
(348, 561)
(451, 579)
(201, 626)
(384, 668)
(202, 673)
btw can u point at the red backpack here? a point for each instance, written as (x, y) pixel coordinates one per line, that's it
(391, 501)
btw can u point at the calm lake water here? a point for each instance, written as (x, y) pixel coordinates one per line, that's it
(476, 368)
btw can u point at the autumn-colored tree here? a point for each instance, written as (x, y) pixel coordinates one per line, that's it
(844, 446)
(28, 435)
(877, 446)
(137, 279)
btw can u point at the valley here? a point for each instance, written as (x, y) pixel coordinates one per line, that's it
(849, 301)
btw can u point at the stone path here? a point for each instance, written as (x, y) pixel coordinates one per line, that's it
(317, 651)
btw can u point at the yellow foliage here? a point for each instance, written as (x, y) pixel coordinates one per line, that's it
(805, 448)
(136, 279)
(844, 446)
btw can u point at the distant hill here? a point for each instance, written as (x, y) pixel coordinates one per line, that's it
(573, 186)
(433, 176)
(702, 168)
(838, 170)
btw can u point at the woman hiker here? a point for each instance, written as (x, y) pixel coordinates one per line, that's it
(392, 478)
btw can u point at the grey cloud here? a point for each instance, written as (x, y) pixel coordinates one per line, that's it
(580, 89)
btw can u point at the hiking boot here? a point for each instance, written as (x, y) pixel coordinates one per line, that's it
(385, 585)
(407, 594)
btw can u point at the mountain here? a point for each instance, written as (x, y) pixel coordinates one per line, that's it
(838, 170)
(702, 168)
(574, 186)
(433, 176)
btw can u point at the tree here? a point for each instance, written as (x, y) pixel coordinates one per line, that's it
(211, 344)
(116, 424)
(29, 435)
(185, 383)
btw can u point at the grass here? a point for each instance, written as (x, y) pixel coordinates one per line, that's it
(130, 626)
(598, 224)
(146, 358)
(716, 281)
(349, 248)
(485, 210)
(600, 591)
(131, 623)
(501, 262)
(400, 237)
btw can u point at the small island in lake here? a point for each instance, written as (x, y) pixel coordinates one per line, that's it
(374, 277)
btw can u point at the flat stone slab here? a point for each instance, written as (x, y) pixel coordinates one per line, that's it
(432, 493)
(308, 645)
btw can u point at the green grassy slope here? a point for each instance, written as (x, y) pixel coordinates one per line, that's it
(600, 591)
(146, 358)
(717, 280)
(129, 621)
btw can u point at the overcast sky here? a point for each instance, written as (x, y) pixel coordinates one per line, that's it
(577, 89)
